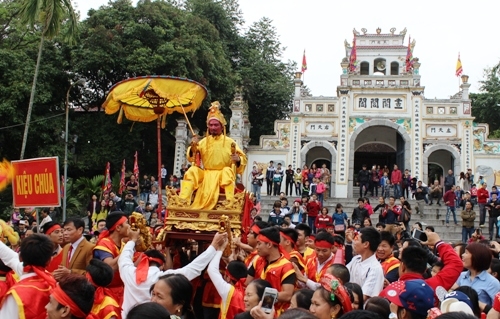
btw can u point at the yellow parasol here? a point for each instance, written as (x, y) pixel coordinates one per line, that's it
(149, 98)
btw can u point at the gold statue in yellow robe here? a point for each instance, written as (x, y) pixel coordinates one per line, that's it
(221, 159)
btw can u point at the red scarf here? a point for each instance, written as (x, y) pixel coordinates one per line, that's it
(40, 272)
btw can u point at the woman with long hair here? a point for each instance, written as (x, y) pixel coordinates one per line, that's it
(357, 293)
(331, 300)
(174, 293)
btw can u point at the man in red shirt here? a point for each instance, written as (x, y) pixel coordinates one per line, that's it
(313, 208)
(449, 199)
(414, 263)
(396, 178)
(273, 267)
(482, 198)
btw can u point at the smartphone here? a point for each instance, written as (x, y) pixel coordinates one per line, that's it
(419, 235)
(268, 299)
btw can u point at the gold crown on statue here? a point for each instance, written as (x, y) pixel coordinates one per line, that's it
(215, 113)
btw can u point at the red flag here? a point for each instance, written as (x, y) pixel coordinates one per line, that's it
(246, 222)
(106, 183)
(353, 57)
(122, 179)
(304, 62)
(136, 167)
(409, 57)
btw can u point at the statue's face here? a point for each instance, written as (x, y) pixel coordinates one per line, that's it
(214, 127)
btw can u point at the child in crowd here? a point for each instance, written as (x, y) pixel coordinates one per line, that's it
(306, 189)
(153, 220)
(320, 190)
(314, 186)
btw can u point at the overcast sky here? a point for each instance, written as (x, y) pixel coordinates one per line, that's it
(441, 28)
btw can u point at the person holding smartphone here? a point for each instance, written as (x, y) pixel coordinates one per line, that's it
(273, 266)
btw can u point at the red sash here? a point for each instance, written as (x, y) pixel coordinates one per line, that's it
(116, 285)
(31, 295)
(312, 267)
(309, 253)
(9, 280)
(55, 262)
(275, 273)
(249, 259)
(106, 309)
(389, 264)
(210, 298)
(234, 304)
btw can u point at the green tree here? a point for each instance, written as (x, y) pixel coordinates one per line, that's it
(486, 105)
(50, 15)
(18, 55)
(267, 81)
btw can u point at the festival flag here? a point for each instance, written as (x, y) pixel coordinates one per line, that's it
(122, 179)
(304, 62)
(353, 57)
(409, 57)
(136, 167)
(106, 183)
(459, 70)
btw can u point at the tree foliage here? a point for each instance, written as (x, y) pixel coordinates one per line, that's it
(486, 105)
(199, 39)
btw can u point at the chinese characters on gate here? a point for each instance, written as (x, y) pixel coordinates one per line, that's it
(380, 103)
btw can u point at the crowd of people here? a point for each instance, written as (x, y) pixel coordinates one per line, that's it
(322, 271)
(308, 181)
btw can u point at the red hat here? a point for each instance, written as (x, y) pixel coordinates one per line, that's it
(413, 295)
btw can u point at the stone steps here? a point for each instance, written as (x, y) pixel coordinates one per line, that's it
(431, 212)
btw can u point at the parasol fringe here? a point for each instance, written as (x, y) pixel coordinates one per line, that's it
(131, 127)
(120, 116)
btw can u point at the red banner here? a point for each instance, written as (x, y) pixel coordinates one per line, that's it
(36, 182)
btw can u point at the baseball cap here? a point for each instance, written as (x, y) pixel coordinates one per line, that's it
(413, 295)
(459, 296)
(23, 222)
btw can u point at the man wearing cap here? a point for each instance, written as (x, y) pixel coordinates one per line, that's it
(109, 246)
(222, 160)
(73, 297)
(273, 266)
(413, 298)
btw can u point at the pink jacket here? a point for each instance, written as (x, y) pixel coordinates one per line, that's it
(320, 188)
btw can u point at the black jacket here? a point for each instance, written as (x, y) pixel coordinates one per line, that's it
(364, 176)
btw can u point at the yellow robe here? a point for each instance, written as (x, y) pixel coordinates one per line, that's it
(216, 160)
